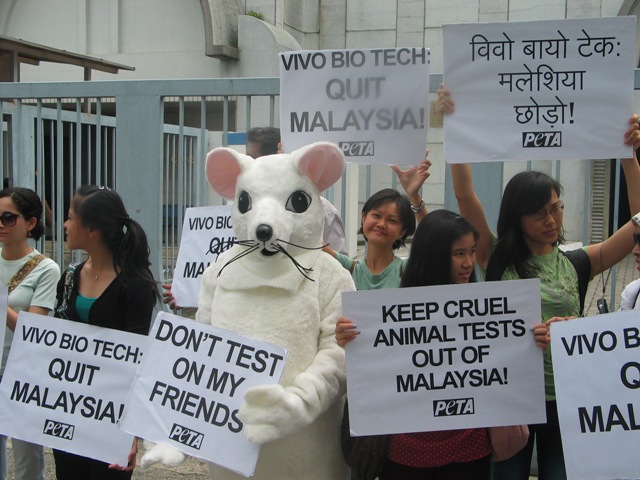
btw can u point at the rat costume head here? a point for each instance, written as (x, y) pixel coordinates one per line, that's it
(277, 211)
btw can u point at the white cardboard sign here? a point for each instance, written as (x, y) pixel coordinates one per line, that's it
(444, 357)
(372, 103)
(535, 90)
(206, 233)
(71, 381)
(190, 386)
(597, 377)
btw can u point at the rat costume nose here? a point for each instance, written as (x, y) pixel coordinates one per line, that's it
(264, 232)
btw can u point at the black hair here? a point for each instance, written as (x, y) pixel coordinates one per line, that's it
(525, 194)
(429, 261)
(103, 209)
(29, 205)
(267, 138)
(407, 218)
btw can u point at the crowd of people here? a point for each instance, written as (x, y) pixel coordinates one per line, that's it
(114, 287)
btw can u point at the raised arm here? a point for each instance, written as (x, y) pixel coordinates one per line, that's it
(606, 254)
(471, 209)
(412, 180)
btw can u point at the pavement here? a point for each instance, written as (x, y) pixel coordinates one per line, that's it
(195, 469)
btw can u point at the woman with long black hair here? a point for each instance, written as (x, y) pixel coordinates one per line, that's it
(113, 288)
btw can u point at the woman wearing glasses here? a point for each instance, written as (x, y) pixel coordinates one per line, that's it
(529, 231)
(31, 279)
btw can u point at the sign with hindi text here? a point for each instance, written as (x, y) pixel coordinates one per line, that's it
(543, 90)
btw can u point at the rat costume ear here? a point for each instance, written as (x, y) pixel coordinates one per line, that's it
(322, 162)
(223, 167)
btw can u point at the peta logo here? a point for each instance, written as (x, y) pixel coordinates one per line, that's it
(541, 139)
(186, 436)
(57, 429)
(450, 408)
(356, 149)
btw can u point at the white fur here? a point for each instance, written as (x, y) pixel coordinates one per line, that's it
(267, 298)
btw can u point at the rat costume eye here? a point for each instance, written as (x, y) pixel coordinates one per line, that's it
(244, 202)
(298, 202)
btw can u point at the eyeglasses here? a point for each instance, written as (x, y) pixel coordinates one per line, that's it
(555, 210)
(9, 219)
(636, 239)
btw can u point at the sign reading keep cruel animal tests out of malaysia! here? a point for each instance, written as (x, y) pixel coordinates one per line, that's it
(597, 376)
(65, 386)
(372, 103)
(206, 233)
(191, 385)
(543, 90)
(444, 357)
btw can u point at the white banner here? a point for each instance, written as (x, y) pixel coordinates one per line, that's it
(444, 358)
(190, 386)
(206, 233)
(535, 90)
(596, 369)
(70, 380)
(372, 103)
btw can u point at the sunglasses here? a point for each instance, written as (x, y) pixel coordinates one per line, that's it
(9, 219)
(636, 238)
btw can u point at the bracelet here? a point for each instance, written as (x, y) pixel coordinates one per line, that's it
(419, 208)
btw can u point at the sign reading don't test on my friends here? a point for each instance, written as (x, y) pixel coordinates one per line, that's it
(191, 385)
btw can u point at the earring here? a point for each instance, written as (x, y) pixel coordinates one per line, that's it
(29, 233)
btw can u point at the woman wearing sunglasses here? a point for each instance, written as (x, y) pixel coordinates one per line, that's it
(31, 279)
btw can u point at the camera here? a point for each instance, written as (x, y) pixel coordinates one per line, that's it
(602, 306)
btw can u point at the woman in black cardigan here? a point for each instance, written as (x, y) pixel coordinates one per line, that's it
(113, 288)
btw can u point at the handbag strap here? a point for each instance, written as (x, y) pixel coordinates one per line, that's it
(24, 271)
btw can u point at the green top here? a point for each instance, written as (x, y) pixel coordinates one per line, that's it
(559, 295)
(365, 280)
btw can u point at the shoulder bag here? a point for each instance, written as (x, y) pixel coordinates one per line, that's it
(366, 455)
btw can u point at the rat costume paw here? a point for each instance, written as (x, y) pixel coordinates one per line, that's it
(163, 453)
(270, 412)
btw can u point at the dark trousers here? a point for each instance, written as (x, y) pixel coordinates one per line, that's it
(548, 448)
(75, 467)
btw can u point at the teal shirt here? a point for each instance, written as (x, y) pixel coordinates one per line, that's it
(83, 305)
(365, 280)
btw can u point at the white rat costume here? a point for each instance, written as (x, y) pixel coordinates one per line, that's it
(277, 286)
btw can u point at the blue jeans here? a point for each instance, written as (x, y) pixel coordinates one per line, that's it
(549, 450)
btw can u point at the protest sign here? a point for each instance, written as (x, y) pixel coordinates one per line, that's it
(444, 357)
(372, 103)
(206, 233)
(3, 308)
(65, 386)
(597, 379)
(190, 386)
(536, 90)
